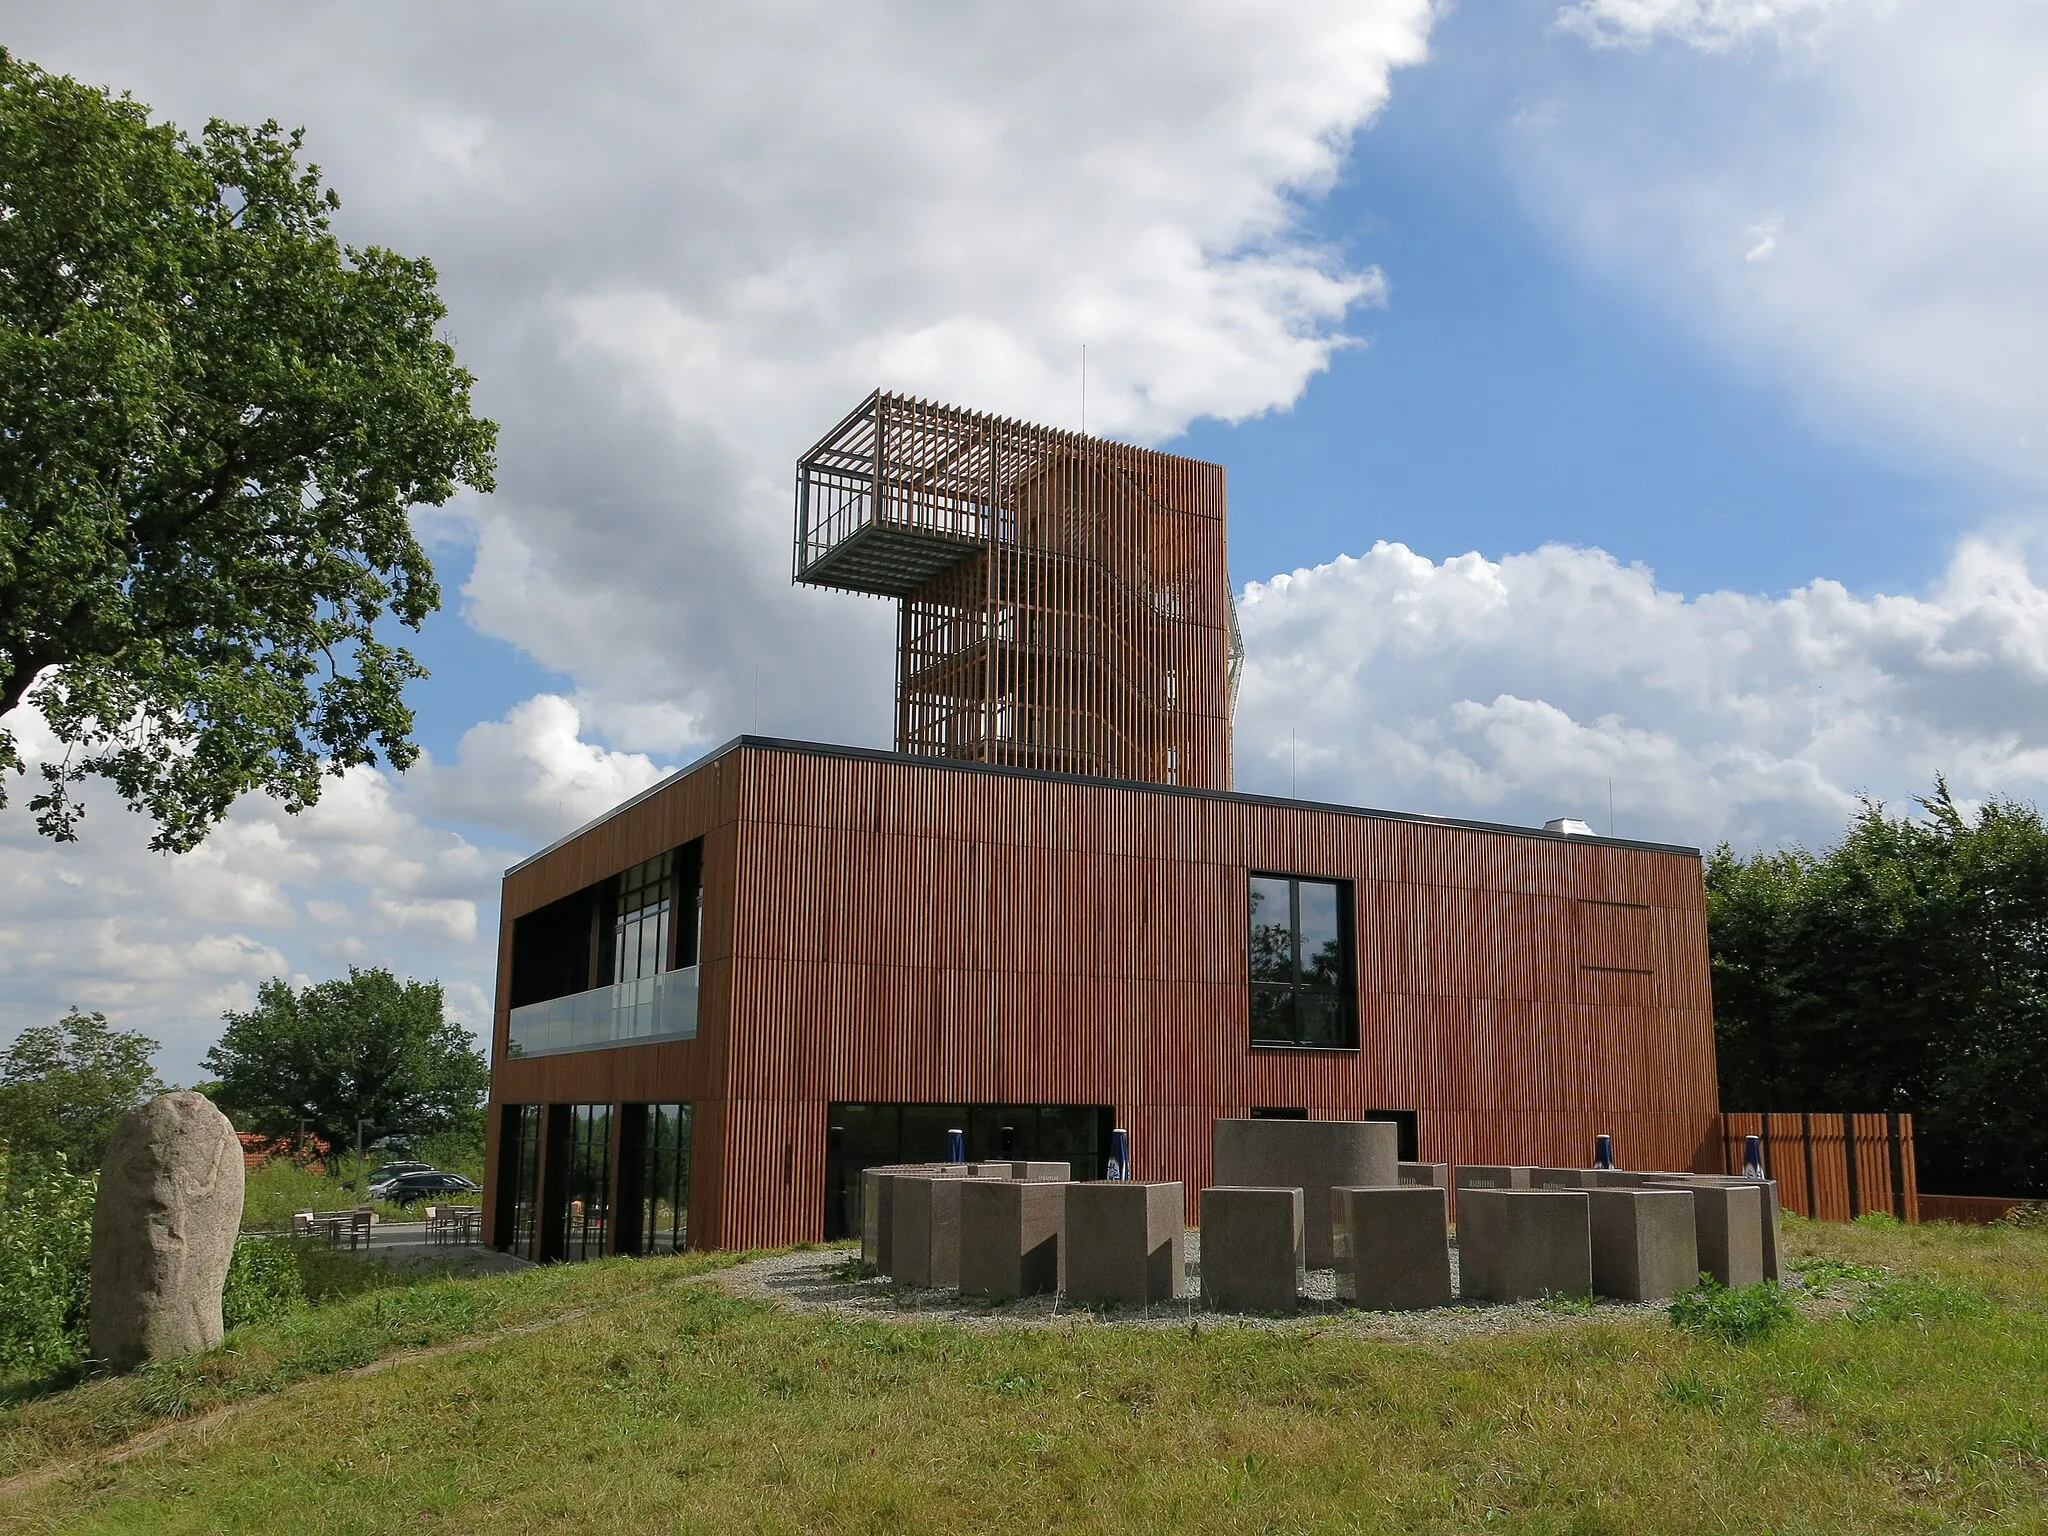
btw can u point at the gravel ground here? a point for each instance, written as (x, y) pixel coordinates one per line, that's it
(820, 1280)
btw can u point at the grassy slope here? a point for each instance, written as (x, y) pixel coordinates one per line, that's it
(674, 1406)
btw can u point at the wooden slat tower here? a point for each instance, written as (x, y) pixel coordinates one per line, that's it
(1064, 601)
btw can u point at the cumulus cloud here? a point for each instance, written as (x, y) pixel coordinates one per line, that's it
(533, 774)
(1517, 689)
(1710, 25)
(679, 243)
(1853, 207)
(377, 873)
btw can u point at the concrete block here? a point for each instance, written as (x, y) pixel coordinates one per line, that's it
(925, 1227)
(1729, 1221)
(1042, 1172)
(877, 1207)
(1010, 1237)
(1489, 1176)
(1616, 1178)
(1523, 1244)
(1645, 1247)
(1560, 1178)
(1769, 1212)
(1435, 1175)
(1313, 1156)
(1252, 1248)
(1393, 1247)
(1124, 1242)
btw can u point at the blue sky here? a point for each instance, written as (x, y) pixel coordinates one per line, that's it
(1642, 392)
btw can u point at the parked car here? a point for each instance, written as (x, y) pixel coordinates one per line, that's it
(431, 1184)
(390, 1171)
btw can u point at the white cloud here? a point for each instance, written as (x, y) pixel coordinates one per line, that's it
(375, 874)
(1709, 25)
(1888, 157)
(679, 243)
(1516, 689)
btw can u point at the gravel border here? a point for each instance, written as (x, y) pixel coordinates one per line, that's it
(819, 1280)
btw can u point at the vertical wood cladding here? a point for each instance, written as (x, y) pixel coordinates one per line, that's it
(880, 928)
(1065, 602)
(1831, 1166)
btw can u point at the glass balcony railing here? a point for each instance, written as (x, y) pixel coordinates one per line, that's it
(658, 1007)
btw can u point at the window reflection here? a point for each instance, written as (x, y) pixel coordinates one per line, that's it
(1299, 960)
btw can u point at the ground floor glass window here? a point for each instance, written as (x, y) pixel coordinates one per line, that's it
(583, 1202)
(663, 1177)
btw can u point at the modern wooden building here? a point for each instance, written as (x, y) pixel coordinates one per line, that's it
(1046, 915)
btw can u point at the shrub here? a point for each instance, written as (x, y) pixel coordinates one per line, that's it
(263, 1282)
(45, 1264)
(1711, 1310)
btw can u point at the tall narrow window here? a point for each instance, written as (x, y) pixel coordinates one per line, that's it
(1301, 970)
(585, 1196)
(518, 1178)
(640, 931)
(665, 1180)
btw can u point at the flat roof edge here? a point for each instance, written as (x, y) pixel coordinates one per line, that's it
(1232, 796)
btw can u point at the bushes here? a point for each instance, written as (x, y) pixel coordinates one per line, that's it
(45, 1264)
(1735, 1317)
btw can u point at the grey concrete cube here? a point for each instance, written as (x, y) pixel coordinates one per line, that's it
(1010, 1237)
(1644, 1244)
(877, 1208)
(1435, 1175)
(1560, 1178)
(1770, 1229)
(1252, 1248)
(925, 1227)
(1729, 1222)
(1042, 1172)
(1393, 1247)
(1489, 1176)
(1313, 1156)
(1617, 1178)
(1524, 1244)
(1125, 1242)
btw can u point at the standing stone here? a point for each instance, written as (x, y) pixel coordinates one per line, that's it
(163, 1230)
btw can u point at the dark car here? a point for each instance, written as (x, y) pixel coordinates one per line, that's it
(429, 1185)
(390, 1171)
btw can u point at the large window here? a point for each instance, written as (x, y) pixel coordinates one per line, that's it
(518, 1177)
(640, 928)
(662, 1178)
(1301, 965)
(862, 1136)
(581, 1195)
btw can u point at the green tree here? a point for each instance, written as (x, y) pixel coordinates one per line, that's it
(367, 1049)
(63, 1087)
(1905, 969)
(213, 419)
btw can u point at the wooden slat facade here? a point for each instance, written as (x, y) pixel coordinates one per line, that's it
(885, 928)
(1065, 600)
(1832, 1167)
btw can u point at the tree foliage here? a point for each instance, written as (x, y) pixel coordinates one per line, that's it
(1904, 969)
(213, 419)
(368, 1047)
(63, 1087)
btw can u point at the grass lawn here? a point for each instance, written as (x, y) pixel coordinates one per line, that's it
(670, 1405)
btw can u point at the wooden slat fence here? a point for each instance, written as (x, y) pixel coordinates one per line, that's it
(1833, 1167)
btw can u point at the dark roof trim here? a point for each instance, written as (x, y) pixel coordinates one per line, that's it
(874, 755)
